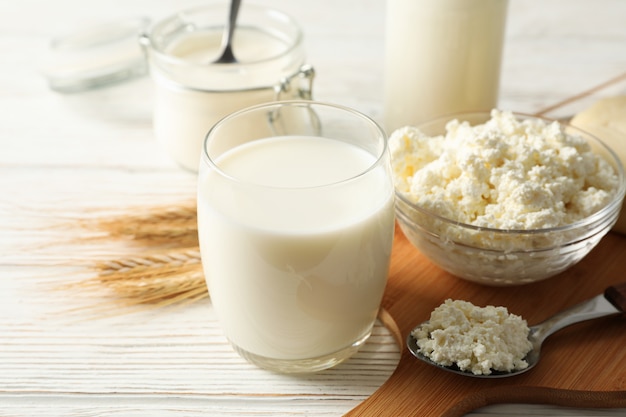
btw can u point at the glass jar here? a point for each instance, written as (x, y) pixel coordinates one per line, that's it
(192, 92)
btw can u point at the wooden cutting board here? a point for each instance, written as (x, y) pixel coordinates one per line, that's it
(583, 365)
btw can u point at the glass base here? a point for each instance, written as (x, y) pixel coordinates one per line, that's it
(301, 366)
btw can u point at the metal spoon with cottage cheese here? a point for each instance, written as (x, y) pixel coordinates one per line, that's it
(613, 301)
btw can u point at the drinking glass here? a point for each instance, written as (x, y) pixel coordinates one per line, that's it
(296, 223)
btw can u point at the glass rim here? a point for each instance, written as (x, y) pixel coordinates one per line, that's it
(379, 156)
(295, 42)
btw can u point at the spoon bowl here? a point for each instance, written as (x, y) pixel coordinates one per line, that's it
(411, 342)
(613, 301)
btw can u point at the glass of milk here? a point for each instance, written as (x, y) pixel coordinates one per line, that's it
(296, 222)
(442, 57)
(192, 92)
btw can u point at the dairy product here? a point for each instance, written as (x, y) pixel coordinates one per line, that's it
(494, 203)
(192, 93)
(606, 119)
(183, 115)
(442, 57)
(295, 256)
(504, 174)
(476, 339)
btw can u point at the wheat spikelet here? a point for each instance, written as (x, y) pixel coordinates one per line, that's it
(165, 266)
(157, 279)
(162, 225)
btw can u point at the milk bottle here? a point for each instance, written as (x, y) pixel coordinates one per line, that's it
(442, 57)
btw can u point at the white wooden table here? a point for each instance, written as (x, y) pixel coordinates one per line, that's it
(66, 157)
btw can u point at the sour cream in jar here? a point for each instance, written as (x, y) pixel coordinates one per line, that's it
(192, 92)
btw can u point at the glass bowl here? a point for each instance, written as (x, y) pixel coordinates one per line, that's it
(505, 257)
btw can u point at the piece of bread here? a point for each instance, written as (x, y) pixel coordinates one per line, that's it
(606, 119)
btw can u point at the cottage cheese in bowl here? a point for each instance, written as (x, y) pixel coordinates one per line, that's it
(506, 200)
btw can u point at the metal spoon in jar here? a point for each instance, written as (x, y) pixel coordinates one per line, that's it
(227, 56)
(613, 301)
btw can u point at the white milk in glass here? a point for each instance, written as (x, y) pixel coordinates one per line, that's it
(442, 57)
(296, 257)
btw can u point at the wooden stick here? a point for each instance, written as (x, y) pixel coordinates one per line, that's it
(582, 94)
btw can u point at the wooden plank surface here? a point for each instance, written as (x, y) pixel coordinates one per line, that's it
(63, 157)
(582, 366)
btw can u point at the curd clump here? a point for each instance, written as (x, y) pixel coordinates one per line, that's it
(475, 339)
(503, 174)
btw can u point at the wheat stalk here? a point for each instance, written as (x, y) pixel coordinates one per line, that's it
(167, 270)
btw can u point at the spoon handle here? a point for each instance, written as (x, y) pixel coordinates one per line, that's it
(613, 301)
(616, 294)
(232, 19)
